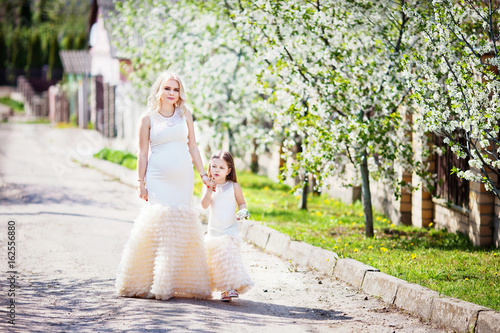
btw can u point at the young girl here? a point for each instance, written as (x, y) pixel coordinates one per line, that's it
(227, 271)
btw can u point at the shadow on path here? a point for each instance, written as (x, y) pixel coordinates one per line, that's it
(91, 305)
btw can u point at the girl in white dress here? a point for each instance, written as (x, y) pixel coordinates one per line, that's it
(164, 256)
(227, 271)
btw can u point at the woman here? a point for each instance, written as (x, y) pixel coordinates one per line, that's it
(164, 256)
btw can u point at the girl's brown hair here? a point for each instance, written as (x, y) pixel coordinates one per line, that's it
(226, 156)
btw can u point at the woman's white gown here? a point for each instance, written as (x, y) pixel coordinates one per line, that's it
(164, 256)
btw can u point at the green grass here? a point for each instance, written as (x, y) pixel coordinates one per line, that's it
(15, 105)
(126, 159)
(442, 261)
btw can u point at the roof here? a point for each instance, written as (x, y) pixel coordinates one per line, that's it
(75, 61)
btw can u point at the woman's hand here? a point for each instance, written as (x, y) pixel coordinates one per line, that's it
(143, 193)
(206, 180)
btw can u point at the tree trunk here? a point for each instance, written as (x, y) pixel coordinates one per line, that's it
(254, 165)
(367, 197)
(305, 190)
(315, 191)
(230, 140)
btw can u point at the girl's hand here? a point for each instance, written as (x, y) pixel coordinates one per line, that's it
(143, 193)
(242, 214)
(211, 185)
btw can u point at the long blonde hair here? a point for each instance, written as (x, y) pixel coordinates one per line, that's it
(154, 98)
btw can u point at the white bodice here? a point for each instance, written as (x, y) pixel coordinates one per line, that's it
(169, 172)
(165, 130)
(222, 218)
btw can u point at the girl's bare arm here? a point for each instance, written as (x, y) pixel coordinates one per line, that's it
(238, 193)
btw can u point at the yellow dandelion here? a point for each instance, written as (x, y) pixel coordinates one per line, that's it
(326, 201)
(466, 279)
(495, 273)
(297, 197)
(384, 220)
(431, 224)
(369, 258)
(327, 259)
(340, 222)
(266, 188)
(378, 218)
(290, 261)
(338, 240)
(411, 244)
(393, 245)
(393, 225)
(370, 247)
(495, 254)
(335, 247)
(353, 223)
(318, 213)
(346, 244)
(413, 256)
(356, 250)
(382, 244)
(360, 214)
(323, 241)
(384, 249)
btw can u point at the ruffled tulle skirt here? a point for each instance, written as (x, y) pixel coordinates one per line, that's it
(164, 256)
(227, 270)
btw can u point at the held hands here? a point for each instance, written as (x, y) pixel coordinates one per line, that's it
(205, 179)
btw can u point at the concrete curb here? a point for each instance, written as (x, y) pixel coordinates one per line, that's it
(488, 322)
(279, 244)
(457, 314)
(383, 285)
(352, 271)
(415, 299)
(427, 304)
(419, 301)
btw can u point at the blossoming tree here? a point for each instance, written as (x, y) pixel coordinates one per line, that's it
(455, 82)
(335, 66)
(190, 38)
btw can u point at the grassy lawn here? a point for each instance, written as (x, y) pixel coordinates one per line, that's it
(435, 259)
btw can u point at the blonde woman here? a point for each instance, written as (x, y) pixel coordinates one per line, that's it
(164, 256)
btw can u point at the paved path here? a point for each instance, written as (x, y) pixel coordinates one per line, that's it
(71, 225)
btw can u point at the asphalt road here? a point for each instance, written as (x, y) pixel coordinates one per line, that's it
(71, 223)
